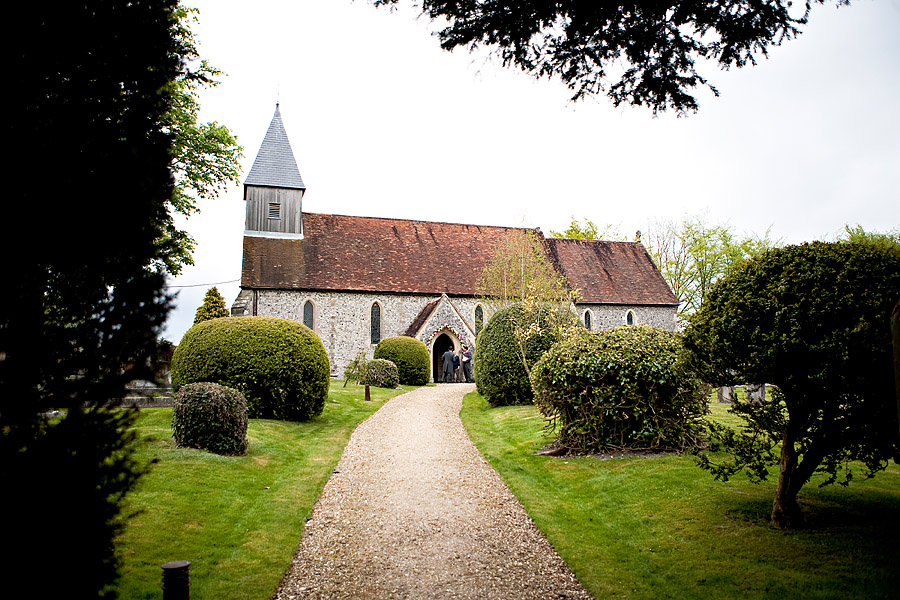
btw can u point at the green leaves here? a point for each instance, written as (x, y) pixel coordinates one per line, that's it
(813, 320)
(623, 387)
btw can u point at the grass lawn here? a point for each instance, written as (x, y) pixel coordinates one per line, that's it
(659, 527)
(237, 519)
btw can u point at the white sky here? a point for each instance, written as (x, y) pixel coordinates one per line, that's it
(385, 123)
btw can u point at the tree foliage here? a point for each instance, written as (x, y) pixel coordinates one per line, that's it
(691, 255)
(520, 268)
(213, 306)
(620, 388)
(205, 155)
(588, 231)
(642, 53)
(814, 320)
(80, 311)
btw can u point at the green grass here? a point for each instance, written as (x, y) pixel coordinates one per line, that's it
(237, 519)
(659, 527)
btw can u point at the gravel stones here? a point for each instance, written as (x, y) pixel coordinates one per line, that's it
(414, 511)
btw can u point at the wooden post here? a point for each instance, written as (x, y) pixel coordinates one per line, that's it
(176, 580)
(368, 395)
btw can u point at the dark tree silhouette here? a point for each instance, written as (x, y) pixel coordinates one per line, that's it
(81, 307)
(642, 52)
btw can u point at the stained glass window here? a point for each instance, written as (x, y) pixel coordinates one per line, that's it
(479, 319)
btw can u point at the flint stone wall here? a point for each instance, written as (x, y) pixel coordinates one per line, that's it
(342, 319)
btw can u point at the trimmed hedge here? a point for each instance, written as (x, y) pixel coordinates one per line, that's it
(279, 365)
(411, 357)
(212, 417)
(381, 373)
(500, 375)
(621, 388)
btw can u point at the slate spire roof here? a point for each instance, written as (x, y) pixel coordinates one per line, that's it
(275, 165)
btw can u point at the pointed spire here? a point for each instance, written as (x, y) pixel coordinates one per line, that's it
(275, 165)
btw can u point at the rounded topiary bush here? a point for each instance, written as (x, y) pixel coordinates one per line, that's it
(210, 416)
(279, 365)
(411, 357)
(500, 374)
(381, 373)
(621, 388)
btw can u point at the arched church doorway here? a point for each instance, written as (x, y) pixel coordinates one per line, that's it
(441, 344)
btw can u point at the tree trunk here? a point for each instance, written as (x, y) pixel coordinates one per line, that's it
(786, 512)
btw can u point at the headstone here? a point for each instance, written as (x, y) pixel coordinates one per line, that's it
(725, 394)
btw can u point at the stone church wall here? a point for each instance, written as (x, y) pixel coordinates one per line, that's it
(342, 320)
(607, 316)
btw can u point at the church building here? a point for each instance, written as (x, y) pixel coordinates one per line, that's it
(357, 280)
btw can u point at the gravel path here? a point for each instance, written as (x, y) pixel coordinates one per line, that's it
(414, 511)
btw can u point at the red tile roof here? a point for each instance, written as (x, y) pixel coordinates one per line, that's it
(370, 254)
(610, 272)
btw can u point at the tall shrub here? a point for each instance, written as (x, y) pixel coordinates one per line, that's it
(620, 388)
(513, 340)
(411, 357)
(279, 365)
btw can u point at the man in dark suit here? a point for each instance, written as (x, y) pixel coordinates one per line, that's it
(447, 357)
(467, 358)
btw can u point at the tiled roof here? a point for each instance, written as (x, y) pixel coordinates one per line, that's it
(611, 272)
(368, 254)
(275, 165)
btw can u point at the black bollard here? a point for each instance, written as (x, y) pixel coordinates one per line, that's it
(368, 395)
(176, 580)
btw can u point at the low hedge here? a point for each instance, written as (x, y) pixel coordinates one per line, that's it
(210, 416)
(411, 357)
(280, 366)
(381, 373)
(621, 388)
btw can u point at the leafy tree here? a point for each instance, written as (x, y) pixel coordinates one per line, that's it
(588, 231)
(205, 155)
(642, 53)
(520, 273)
(80, 311)
(520, 268)
(356, 368)
(814, 321)
(213, 306)
(691, 255)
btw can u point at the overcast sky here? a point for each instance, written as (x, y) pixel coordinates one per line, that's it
(384, 123)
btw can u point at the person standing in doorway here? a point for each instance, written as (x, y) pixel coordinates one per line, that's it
(447, 358)
(467, 358)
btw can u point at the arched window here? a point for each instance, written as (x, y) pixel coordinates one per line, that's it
(376, 323)
(629, 318)
(587, 320)
(308, 314)
(479, 319)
